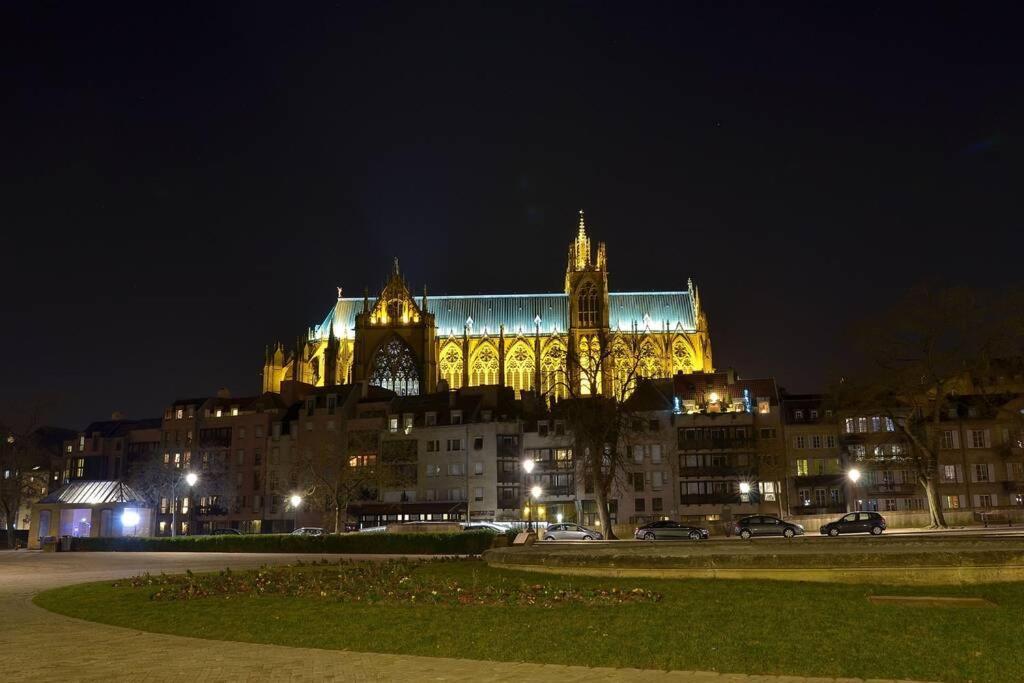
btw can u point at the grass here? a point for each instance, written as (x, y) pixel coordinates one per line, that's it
(712, 625)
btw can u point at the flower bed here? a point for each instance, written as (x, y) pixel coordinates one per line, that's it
(462, 543)
(382, 582)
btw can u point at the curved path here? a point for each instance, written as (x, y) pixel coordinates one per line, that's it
(42, 646)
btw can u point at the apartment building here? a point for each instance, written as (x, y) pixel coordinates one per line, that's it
(548, 445)
(223, 440)
(816, 469)
(105, 449)
(728, 448)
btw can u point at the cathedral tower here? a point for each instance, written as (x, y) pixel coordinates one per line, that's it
(586, 286)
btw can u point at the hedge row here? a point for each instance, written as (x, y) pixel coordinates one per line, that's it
(462, 543)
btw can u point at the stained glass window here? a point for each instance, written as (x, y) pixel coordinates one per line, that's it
(394, 368)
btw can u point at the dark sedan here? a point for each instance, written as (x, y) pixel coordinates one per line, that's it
(667, 530)
(855, 523)
(766, 525)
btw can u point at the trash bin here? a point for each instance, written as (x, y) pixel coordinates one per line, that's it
(65, 544)
(49, 544)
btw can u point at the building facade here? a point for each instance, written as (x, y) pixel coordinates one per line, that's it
(584, 339)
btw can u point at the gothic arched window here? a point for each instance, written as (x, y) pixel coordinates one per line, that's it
(587, 307)
(484, 369)
(552, 370)
(519, 367)
(681, 361)
(394, 368)
(450, 365)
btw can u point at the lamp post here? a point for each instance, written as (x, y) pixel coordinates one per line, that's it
(528, 466)
(190, 479)
(854, 476)
(744, 492)
(535, 494)
(295, 501)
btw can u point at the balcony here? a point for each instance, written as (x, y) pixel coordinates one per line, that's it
(710, 499)
(820, 479)
(718, 471)
(882, 489)
(212, 511)
(716, 444)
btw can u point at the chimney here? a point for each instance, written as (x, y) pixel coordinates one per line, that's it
(223, 393)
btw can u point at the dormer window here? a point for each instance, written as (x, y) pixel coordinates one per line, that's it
(234, 411)
(219, 412)
(430, 419)
(179, 413)
(456, 417)
(485, 415)
(407, 420)
(798, 414)
(393, 424)
(814, 414)
(332, 402)
(559, 428)
(542, 428)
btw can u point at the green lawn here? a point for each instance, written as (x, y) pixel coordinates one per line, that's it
(728, 626)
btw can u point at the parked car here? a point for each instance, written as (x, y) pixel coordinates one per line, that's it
(766, 525)
(570, 532)
(309, 531)
(855, 523)
(225, 532)
(484, 526)
(667, 530)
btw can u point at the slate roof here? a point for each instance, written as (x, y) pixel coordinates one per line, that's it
(519, 311)
(93, 493)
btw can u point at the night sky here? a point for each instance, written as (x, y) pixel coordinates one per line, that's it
(182, 185)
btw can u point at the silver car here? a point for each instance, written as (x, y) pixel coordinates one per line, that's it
(571, 532)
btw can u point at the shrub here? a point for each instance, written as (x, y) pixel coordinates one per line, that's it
(462, 543)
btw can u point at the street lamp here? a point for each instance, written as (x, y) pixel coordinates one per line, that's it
(528, 464)
(535, 494)
(744, 492)
(191, 478)
(295, 500)
(854, 476)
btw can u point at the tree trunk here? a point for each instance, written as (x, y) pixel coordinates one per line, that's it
(938, 520)
(10, 530)
(601, 500)
(337, 515)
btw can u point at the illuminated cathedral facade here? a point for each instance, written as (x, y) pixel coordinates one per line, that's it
(583, 340)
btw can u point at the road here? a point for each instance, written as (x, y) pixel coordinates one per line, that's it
(42, 646)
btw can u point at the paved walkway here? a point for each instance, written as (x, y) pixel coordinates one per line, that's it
(41, 646)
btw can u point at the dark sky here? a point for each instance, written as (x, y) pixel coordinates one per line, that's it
(184, 184)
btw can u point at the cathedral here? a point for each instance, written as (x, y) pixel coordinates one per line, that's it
(583, 340)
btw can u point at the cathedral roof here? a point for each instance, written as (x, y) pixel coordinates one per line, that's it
(518, 312)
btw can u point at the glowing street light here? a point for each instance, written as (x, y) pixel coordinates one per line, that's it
(528, 465)
(129, 518)
(713, 397)
(295, 500)
(744, 487)
(191, 478)
(854, 476)
(535, 493)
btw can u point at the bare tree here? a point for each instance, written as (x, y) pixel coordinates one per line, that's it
(341, 470)
(25, 464)
(152, 477)
(601, 374)
(918, 356)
